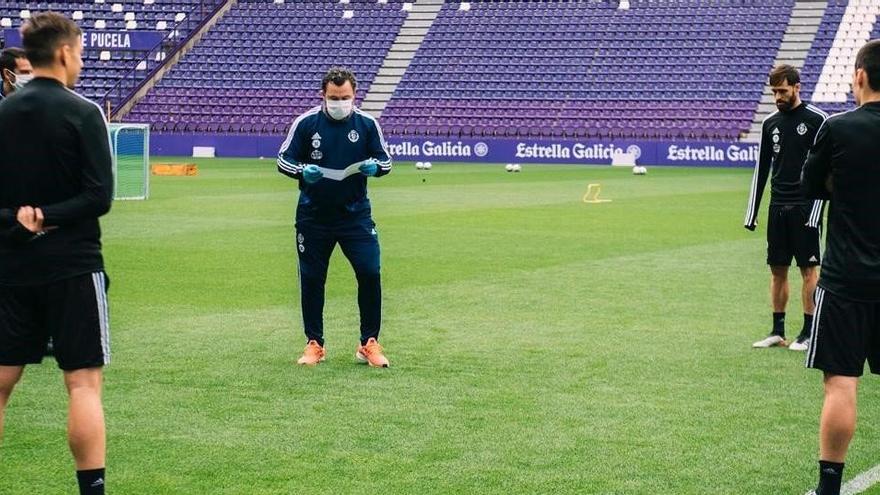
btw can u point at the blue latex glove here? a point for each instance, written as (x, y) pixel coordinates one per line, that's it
(312, 174)
(369, 168)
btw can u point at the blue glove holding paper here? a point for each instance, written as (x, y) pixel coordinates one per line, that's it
(312, 174)
(369, 167)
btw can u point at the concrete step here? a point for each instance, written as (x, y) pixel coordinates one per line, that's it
(383, 79)
(409, 39)
(796, 62)
(807, 13)
(792, 55)
(372, 107)
(404, 47)
(419, 31)
(802, 28)
(790, 46)
(798, 38)
(382, 88)
(417, 23)
(397, 63)
(805, 21)
(766, 108)
(423, 15)
(391, 71)
(382, 98)
(400, 56)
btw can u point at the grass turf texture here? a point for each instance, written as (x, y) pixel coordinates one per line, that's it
(538, 345)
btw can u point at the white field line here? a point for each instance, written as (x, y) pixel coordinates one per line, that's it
(862, 482)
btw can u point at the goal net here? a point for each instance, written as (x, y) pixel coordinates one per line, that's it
(131, 160)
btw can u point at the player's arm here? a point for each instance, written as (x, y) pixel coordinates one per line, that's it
(10, 228)
(379, 151)
(96, 179)
(816, 174)
(22, 225)
(289, 156)
(759, 179)
(816, 213)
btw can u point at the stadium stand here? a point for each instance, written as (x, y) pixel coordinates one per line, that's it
(104, 69)
(513, 68)
(828, 69)
(519, 68)
(243, 77)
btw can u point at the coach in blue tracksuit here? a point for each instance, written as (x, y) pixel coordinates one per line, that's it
(331, 150)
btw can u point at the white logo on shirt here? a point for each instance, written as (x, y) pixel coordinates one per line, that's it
(353, 136)
(317, 155)
(776, 148)
(776, 138)
(802, 128)
(775, 130)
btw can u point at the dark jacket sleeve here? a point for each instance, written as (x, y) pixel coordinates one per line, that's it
(817, 169)
(379, 150)
(7, 217)
(96, 179)
(289, 162)
(759, 180)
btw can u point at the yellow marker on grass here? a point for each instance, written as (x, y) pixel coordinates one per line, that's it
(592, 194)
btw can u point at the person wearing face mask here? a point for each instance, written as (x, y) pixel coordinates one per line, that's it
(842, 167)
(56, 179)
(331, 150)
(793, 221)
(15, 70)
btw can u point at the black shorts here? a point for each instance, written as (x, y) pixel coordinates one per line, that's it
(73, 312)
(845, 333)
(788, 236)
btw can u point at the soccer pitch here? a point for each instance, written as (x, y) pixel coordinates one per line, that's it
(539, 345)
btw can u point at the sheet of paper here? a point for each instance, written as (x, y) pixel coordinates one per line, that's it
(334, 174)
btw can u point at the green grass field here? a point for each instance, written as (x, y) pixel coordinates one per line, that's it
(539, 345)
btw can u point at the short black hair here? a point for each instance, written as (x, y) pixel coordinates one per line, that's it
(784, 72)
(43, 33)
(338, 75)
(9, 57)
(868, 59)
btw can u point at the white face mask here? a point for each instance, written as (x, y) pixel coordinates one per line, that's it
(20, 79)
(339, 109)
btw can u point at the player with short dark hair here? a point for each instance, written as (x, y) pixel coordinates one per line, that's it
(331, 150)
(794, 222)
(56, 179)
(843, 167)
(15, 71)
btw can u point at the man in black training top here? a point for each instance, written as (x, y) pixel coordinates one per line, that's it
(794, 221)
(56, 179)
(844, 166)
